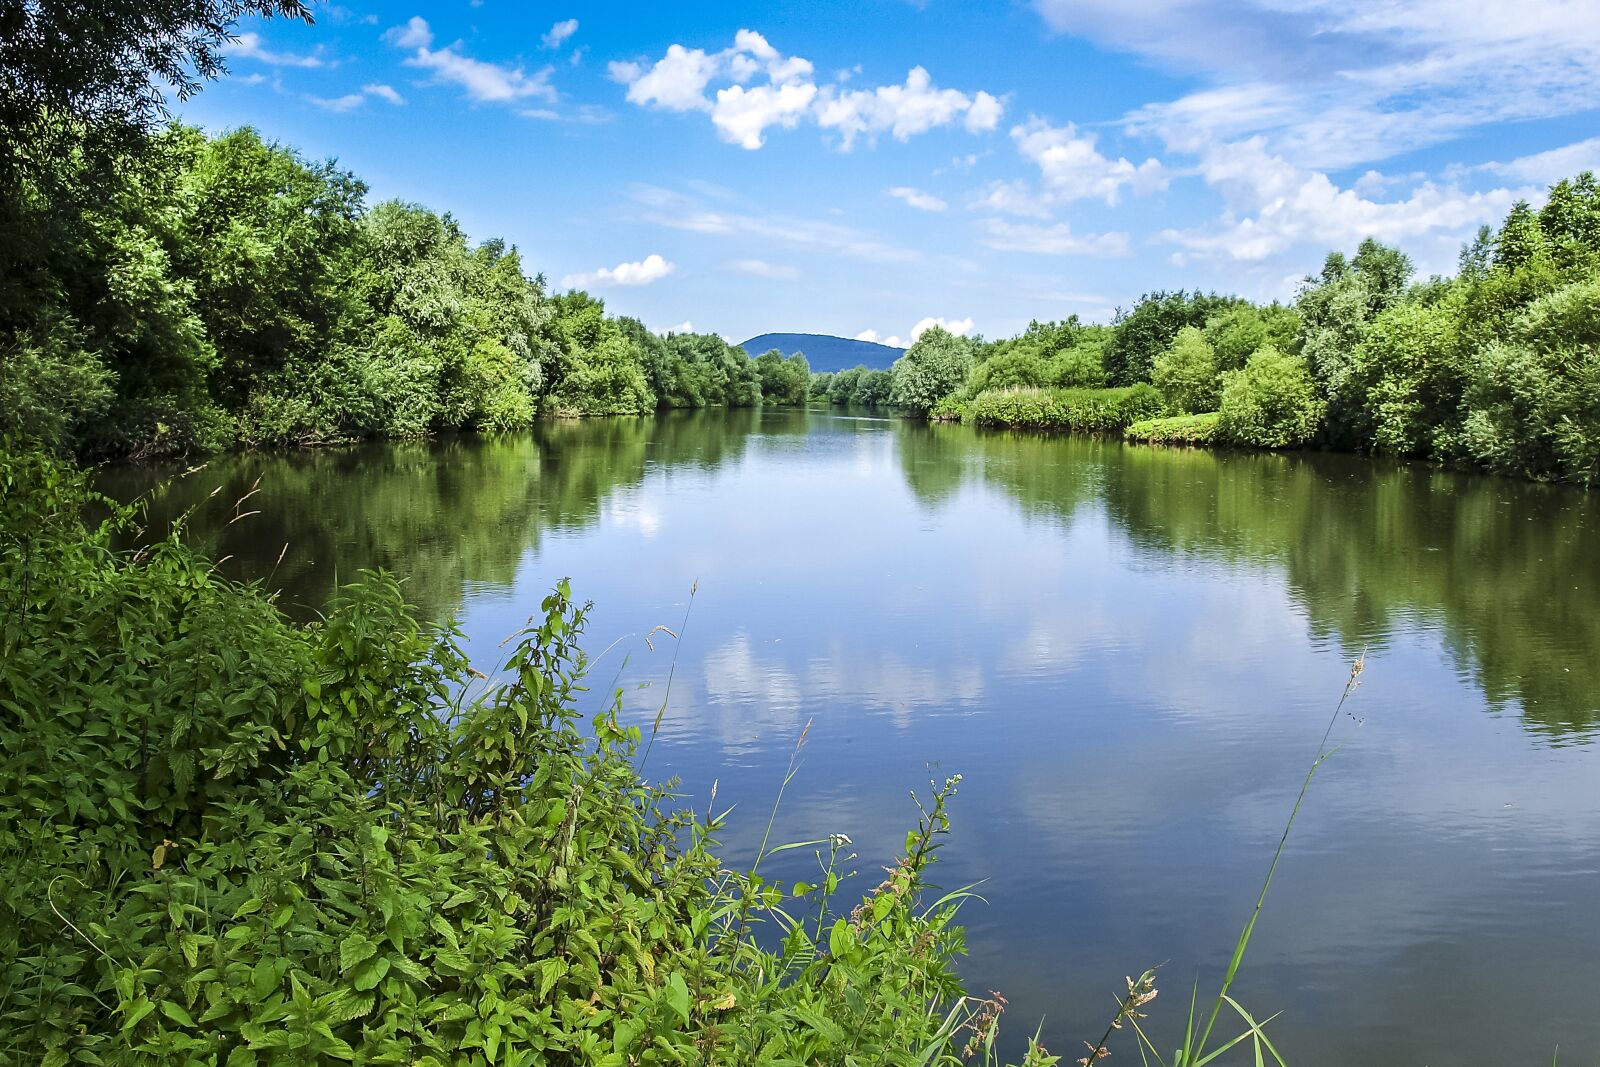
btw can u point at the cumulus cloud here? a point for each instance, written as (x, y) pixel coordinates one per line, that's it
(917, 198)
(483, 81)
(742, 115)
(1072, 168)
(677, 81)
(649, 269)
(743, 110)
(872, 335)
(959, 327)
(1274, 206)
(760, 268)
(682, 327)
(558, 33)
(250, 46)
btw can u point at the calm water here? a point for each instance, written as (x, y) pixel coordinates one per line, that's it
(1130, 654)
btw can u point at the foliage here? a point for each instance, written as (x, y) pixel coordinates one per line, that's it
(1239, 330)
(1199, 429)
(1141, 334)
(930, 370)
(1080, 410)
(784, 381)
(1533, 399)
(1186, 373)
(1271, 402)
(224, 838)
(1335, 308)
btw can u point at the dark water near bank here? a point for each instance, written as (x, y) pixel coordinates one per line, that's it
(1130, 655)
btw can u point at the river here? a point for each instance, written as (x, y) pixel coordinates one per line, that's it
(1128, 653)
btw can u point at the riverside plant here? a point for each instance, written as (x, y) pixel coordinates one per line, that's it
(228, 839)
(225, 838)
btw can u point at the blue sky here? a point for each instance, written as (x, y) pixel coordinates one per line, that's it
(864, 168)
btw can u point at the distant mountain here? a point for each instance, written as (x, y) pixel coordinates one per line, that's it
(825, 352)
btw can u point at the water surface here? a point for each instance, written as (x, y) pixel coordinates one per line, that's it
(1129, 654)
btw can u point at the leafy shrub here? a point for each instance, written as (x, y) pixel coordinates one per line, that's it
(1533, 400)
(1271, 402)
(932, 369)
(1081, 410)
(1186, 373)
(1177, 430)
(227, 839)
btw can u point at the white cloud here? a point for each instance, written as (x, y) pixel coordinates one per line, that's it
(384, 92)
(559, 33)
(984, 113)
(414, 34)
(676, 82)
(900, 110)
(1011, 198)
(744, 110)
(1545, 168)
(649, 269)
(249, 46)
(1055, 240)
(347, 102)
(917, 198)
(1272, 206)
(760, 268)
(682, 327)
(741, 115)
(351, 101)
(1337, 83)
(959, 327)
(1072, 168)
(872, 335)
(483, 82)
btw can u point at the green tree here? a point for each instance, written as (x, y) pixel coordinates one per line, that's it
(1139, 335)
(1186, 373)
(931, 369)
(1271, 402)
(1532, 399)
(1235, 332)
(784, 381)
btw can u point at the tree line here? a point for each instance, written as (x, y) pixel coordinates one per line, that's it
(167, 292)
(226, 290)
(1496, 368)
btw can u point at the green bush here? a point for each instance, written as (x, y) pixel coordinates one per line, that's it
(1271, 402)
(1081, 410)
(1533, 400)
(228, 839)
(932, 368)
(1177, 430)
(1186, 373)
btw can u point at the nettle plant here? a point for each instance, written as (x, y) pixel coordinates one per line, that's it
(228, 839)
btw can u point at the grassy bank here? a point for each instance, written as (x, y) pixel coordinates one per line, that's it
(1075, 410)
(1177, 430)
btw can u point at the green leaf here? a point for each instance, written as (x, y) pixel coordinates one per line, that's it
(177, 1013)
(356, 948)
(677, 995)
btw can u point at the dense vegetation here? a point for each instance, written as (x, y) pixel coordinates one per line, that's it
(1497, 368)
(166, 292)
(227, 838)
